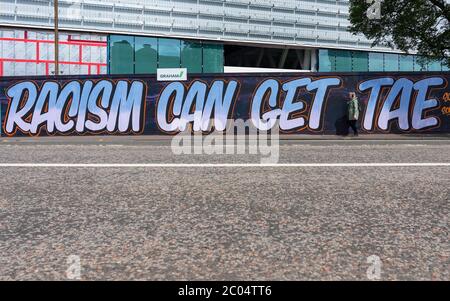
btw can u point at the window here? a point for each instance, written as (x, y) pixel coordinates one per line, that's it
(391, 62)
(327, 61)
(376, 61)
(434, 65)
(406, 63)
(169, 53)
(145, 55)
(360, 61)
(212, 58)
(191, 56)
(419, 65)
(343, 60)
(121, 54)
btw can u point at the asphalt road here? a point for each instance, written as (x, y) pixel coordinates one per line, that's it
(223, 223)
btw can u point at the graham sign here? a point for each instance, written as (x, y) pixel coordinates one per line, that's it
(312, 103)
(171, 74)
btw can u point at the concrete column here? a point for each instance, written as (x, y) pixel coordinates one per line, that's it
(314, 62)
(307, 60)
(283, 58)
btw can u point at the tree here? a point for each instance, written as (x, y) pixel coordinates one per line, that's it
(408, 25)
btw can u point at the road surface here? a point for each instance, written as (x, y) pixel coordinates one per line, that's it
(227, 222)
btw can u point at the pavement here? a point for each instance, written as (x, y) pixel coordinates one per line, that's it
(222, 222)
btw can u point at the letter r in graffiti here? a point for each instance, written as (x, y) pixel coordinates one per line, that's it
(374, 10)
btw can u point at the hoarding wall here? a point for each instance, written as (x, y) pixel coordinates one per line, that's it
(303, 104)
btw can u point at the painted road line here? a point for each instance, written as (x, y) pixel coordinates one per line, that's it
(209, 165)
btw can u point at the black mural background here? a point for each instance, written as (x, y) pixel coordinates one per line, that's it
(335, 104)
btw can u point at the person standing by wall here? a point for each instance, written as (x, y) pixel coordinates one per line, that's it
(353, 112)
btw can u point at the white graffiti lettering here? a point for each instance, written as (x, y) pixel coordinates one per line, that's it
(80, 107)
(201, 104)
(399, 102)
(267, 94)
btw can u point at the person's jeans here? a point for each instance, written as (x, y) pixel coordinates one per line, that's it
(352, 124)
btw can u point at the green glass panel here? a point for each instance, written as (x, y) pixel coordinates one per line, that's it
(406, 63)
(343, 60)
(212, 58)
(360, 61)
(391, 62)
(146, 55)
(420, 65)
(191, 56)
(376, 61)
(121, 54)
(434, 66)
(327, 60)
(169, 53)
(445, 67)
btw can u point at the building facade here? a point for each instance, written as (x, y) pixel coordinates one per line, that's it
(205, 36)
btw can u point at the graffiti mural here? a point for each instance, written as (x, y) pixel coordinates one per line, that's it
(75, 107)
(307, 103)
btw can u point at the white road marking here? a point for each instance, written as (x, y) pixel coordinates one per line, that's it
(371, 140)
(206, 165)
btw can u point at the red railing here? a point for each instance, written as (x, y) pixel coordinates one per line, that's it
(93, 67)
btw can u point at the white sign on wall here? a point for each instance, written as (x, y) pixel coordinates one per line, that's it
(171, 74)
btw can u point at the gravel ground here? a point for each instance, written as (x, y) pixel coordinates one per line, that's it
(233, 223)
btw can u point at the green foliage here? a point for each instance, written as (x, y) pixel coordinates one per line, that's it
(408, 25)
